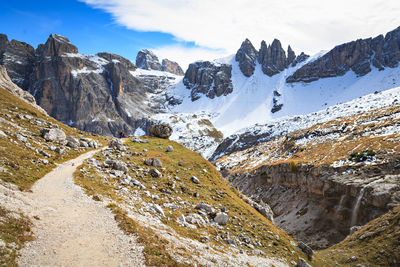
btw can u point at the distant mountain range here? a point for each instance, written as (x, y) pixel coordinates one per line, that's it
(106, 93)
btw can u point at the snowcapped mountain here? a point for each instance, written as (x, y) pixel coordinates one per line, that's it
(106, 93)
(257, 87)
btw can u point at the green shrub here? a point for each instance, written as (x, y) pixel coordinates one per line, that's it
(362, 156)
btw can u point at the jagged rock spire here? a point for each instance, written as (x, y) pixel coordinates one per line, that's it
(247, 56)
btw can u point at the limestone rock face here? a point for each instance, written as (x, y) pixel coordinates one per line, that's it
(300, 58)
(6, 83)
(171, 67)
(273, 58)
(247, 57)
(208, 78)
(358, 56)
(18, 58)
(147, 60)
(96, 93)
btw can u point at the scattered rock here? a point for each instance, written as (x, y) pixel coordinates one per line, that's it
(155, 173)
(196, 219)
(117, 165)
(116, 144)
(205, 207)
(170, 149)
(44, 153)
(53, 135)
(180, 163)
(354, 229)
(157, 209)
(148, 162)
(157, 162)
(221, 218)
(137, 183)
(195, 180)
(72, 142)
(138, 140)
(2, 134)
(161, 130)
(44, 161)
(21, 138)
(302, 263)
(59, 150)
(306, 249)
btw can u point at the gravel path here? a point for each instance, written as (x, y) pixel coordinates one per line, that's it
(73, 229)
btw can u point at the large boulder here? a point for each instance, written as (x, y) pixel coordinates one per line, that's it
(115, 144)
(161, 130)
(72, 142)
(117, 165)
(221, 218)
(53, 135)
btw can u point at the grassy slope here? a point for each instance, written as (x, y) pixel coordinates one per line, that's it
(243, 218)
(351, 138)
(21, 163)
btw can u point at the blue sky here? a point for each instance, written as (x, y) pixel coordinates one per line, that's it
(189, 30)
(91, 30)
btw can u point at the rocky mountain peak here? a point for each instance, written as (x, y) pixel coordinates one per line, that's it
(147, 60)
(247, 56)
(273, 58)
(171, 67)
(56, 45)
(290, 55)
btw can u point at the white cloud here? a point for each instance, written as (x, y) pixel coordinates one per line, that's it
(186, 55)
(307, 25)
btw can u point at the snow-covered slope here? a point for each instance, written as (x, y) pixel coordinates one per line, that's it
(248, 137)
(253, 98)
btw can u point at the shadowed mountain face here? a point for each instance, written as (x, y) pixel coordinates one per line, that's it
(96, 93)
(359, 56)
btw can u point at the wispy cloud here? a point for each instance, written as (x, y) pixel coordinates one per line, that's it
(308, 25)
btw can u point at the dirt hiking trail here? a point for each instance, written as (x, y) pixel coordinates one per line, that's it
(73, 229)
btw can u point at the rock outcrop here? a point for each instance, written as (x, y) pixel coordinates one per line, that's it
(208, 78)
(273, 58)
(147, 60)
(322, 199)
(6, 83)
(171, 67)
(18, 58)
(359, 56)
(247, 58)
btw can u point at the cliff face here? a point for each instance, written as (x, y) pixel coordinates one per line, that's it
(322, 180)
(359, 56)
(147, 60)
(208, 78)
(96, 93)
